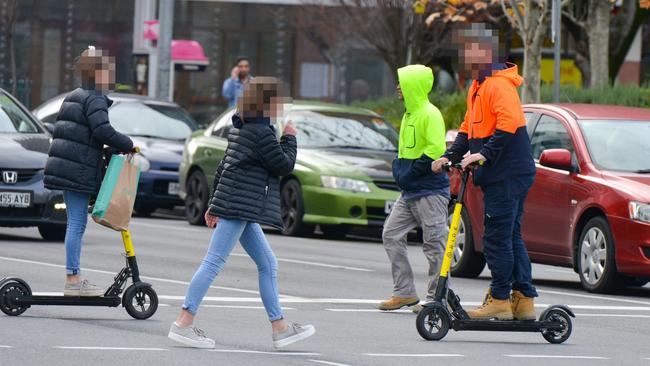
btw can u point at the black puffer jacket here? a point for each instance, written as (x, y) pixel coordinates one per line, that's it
(247, 182)
(80, 133)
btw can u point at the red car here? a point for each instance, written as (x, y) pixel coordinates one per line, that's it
(589, 207)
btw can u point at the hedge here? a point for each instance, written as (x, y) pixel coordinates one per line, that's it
(452, 106)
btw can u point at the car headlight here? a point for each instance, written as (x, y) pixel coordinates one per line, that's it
(141, 162)
(640, 211)
(345, 183)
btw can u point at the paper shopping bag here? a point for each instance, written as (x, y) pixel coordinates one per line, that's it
(114, 204)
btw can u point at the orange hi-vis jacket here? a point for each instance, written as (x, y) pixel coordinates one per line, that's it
(495, 126)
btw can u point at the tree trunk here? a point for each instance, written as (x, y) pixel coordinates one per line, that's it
(598, 33)
(535, 27)
(531, 74)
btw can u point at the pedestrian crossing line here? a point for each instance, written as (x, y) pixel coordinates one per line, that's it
(238, 307)
(279, 353)
(309, 263)
(5, 346)
(329, 363)
(92, 348)
(560, 356)
(414, 355)
(593, 297)
(596, 315)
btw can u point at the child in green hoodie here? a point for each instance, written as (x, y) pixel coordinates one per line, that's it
(424, 194)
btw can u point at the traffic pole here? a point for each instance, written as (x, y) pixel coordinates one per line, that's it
(556, 20)
(166, 18)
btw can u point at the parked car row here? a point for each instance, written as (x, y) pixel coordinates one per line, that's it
(589, 208)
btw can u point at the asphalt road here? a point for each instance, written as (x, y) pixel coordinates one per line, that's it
(333, 285)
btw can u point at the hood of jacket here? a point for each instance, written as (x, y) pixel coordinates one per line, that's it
(511, 74)
(416, 82)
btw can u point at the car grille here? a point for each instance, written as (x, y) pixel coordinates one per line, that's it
(390, 185)
(24, 175)
(13, 212)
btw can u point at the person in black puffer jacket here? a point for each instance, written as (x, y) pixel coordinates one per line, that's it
(247, 194)
(75, 159)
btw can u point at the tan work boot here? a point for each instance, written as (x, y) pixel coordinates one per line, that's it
(492, 308)
(396, 302)
(417, 308)
(523, 308)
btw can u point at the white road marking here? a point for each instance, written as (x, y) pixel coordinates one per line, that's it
(279, 353)
(414, 355)
(185, 283)
(329, 363)
(368, 311)
(110, 348)
(316, 264)
(239, 307)
(470, 304)
(5, 346)
(614, 315)
(559, 356)
(175, 228)
(593, 297)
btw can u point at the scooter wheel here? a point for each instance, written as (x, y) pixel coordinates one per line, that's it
(433, 322)
(9, 290)
(140, 302)
(558, 336)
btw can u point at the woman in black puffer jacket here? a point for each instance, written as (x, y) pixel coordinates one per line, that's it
(75, 160)
(247, 186)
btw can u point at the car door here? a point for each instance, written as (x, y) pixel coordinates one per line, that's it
(546, 219)
(212, 147)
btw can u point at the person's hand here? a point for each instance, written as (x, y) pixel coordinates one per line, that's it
(210, 219)
(234, 74)
(290, 129)
(436, 165)
(472, 158)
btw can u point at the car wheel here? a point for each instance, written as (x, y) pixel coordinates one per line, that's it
(596, 262)
(292, 209)
(466, 262)
(336, 232)
(196, 199)
(52, 232)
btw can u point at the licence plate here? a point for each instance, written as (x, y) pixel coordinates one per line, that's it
(173, 189)
(388, 207)
(15, 199)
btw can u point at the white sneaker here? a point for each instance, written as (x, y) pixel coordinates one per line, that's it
(83, 289)
(190, 336)
(294, 333)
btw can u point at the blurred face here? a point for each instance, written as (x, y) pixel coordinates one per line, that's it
(478, 49)
(477, 58)
(105, 77)
(244, 68)
(400, 96)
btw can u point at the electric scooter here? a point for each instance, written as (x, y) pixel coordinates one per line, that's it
(436, 318)
(140, 300)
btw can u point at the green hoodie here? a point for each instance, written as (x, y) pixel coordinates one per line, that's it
(423, 129)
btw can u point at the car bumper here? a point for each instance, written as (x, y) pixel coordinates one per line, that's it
(41, 211)
(340, 207)
(153, 189)
(632, 240)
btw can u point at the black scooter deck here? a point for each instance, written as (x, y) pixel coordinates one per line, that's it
(504, 325)
(111, 301)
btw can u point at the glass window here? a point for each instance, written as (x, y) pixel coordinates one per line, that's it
(13, 119)
(550, 134)
(618, 145)
(223, 125)
(151, 120)
(343, 130)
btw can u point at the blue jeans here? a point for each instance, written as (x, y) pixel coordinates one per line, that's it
(503, 246)
(224, 238)
(77, 213)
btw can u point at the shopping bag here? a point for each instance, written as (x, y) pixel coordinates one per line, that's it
(114, 204)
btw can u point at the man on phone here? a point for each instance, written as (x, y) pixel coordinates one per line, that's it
(233, 87)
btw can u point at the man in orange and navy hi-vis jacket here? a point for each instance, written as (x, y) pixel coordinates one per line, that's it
(494, 133)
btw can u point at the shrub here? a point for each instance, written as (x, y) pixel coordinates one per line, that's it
(453, 106)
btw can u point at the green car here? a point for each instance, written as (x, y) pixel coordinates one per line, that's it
(342, 176)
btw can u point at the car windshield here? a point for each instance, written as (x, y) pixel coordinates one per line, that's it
(151, 120)
(343, 130)
(13, 119)
(618, 145)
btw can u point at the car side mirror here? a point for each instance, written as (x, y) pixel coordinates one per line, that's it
(556, 159)
(49, 127)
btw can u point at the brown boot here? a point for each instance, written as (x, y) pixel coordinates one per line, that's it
(523, 308)
(396, 302)
(492, 308)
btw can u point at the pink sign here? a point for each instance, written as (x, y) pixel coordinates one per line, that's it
(150, 32)
(187, 50)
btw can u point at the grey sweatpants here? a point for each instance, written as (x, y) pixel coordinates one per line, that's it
(429, 213)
